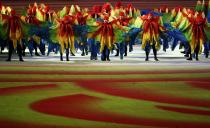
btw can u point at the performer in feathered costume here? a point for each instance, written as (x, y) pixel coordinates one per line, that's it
(108, 32)
(13, 28)
(74, 9)
(33, 40)
(198, 24)
(118, 14)
(54, 46)
(47, 17)
(122, 46)
(81, 32)
(201, 7)
(165, 17)
(192, 25)
(163, 37)
(94, 15)
(151, 29)
(64, 34)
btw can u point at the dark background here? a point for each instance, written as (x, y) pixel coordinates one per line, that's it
(19, 5)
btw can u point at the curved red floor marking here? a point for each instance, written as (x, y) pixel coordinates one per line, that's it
(14, 124)
(105, 72)
(200, 84)
(185, 110)
(22, 89)
(142, 94)
(78, 106)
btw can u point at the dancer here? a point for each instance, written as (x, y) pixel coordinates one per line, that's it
(150, 37)
(108, 33)
(122, 46)
(193, 25)
(15, 34)
(64, 34)
(198, 24)
(34, 40)
(94, 16)
(81, 32)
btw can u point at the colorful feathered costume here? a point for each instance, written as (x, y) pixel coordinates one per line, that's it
(107, 33)
(81, 32)
(94, 15)
(151, 29)
(34, 39)
(198, 24)
(64, 34)
(13, 27)
(122, 46)
(192, 24)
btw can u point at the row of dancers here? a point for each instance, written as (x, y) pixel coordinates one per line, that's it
(105, 28)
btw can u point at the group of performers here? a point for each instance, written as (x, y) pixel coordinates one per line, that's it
(105, 28)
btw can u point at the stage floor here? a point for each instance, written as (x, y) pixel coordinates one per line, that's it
(43, 92)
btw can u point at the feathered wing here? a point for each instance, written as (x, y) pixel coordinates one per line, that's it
(182, 29)
(74, 9)
(63, 12)
(39, 15)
